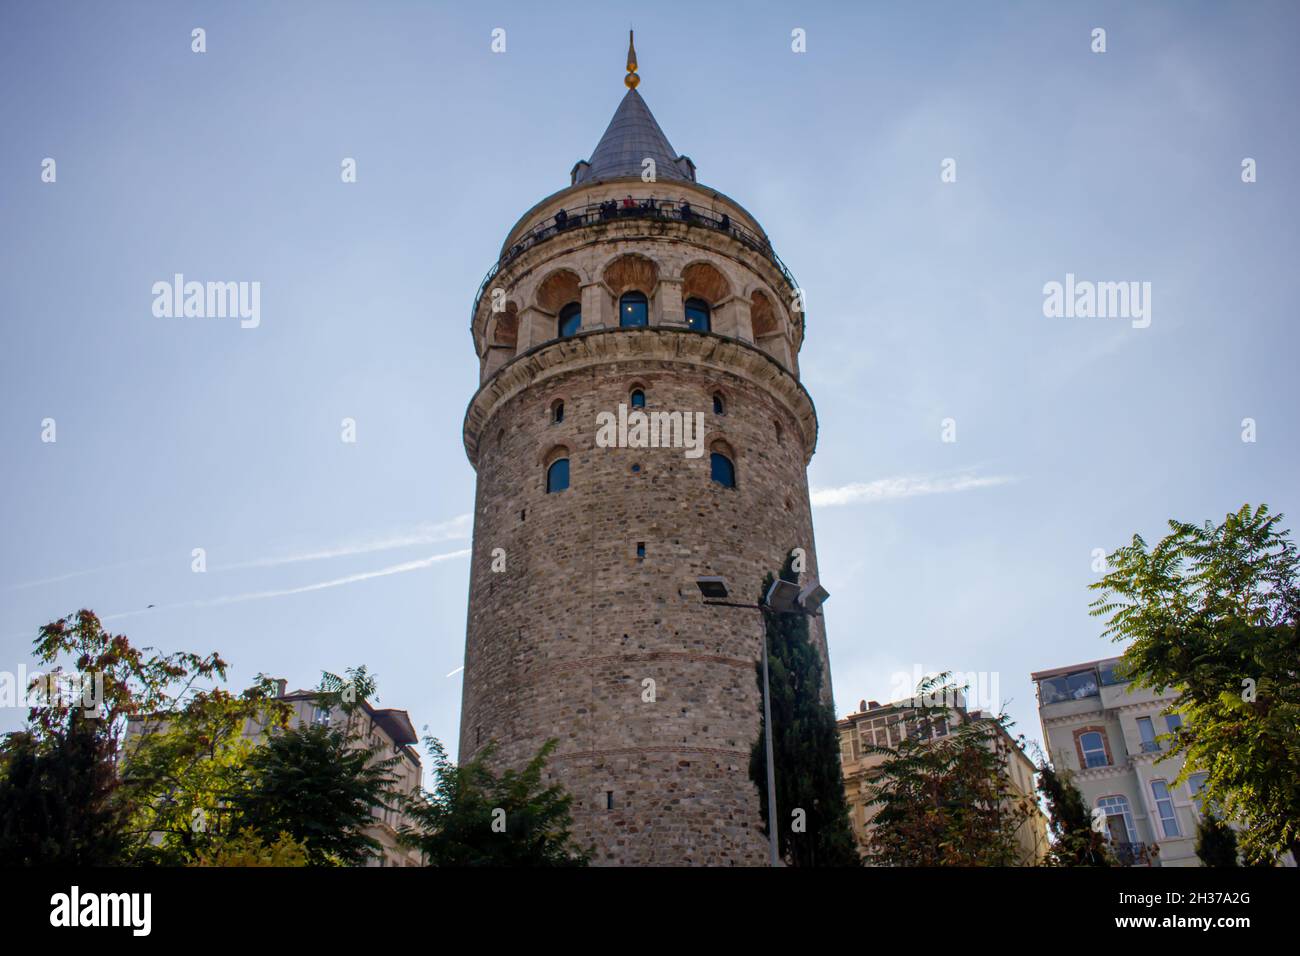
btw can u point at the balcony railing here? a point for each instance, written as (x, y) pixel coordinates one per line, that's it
(1131, 854)
(614, 210)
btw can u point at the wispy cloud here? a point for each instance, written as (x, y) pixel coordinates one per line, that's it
(888, 489)
(426, 533)
(302, 589)
(79, 574)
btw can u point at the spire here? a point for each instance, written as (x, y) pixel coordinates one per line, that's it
(632, 137)
(631, 80)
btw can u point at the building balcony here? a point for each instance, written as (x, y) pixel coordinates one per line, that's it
(612, 211)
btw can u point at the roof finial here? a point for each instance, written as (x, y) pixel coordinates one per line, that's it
(631, 80)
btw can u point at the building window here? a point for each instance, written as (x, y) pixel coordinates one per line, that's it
(633, 310)
(557, 411)
(722, 470)
(570, 320)
(1173, 722)
(321, 715)
(1119, 819)
(1196, 787)
(609, 799)
(697, 315)
(719, 406)
(557, 475)
(640, 550)
(1165, 808)
(1148, 733)
(638, 398)
(1076, 686)
(1092, 745)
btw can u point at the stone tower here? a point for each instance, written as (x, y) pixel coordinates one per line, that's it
(637, 287)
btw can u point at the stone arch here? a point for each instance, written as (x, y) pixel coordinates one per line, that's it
(718, 442)
(704, 280)
(762, 313)
(557, 290)
(505, 327)
(631, 271)
(550, 453)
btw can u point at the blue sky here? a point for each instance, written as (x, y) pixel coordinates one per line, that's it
(925, 302)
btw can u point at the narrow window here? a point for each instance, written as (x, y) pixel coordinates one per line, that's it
(609, 799)
(1148, 732)
(697, 315)
(719, 407)
(638, 398)
(557, 411)
(570, 320)
(1094, 749)
(722, 469)
(640, 550)
(1196, 787)
(1165, 808)
(633, 310)
(557, 475)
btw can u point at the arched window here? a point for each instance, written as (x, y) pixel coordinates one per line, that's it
(557, 475)
(1119, 819)
(570, 320)
(638, 398)
(719, 406)
(722, 470)
(557, 411)
(633, 310)
(697, 315)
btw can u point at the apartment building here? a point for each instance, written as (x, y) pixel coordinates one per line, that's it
(1111, 735)
(887, 725)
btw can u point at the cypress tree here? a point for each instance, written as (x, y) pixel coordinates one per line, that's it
(812, 813)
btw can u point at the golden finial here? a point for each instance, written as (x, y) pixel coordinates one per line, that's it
(631, 80)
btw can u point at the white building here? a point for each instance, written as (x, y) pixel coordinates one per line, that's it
(1108, 733)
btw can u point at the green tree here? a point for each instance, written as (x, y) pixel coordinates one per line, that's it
(1216, 842)
(1213, 611)
(61, 800)
(1075, 842)
(475, 817)
(946, 800)
(183, 772)
(805, 747)
(247, 848)
(319, 785)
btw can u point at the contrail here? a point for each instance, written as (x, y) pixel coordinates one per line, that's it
(427, 533)
(303, 589)
(885, 489)
(77, 574)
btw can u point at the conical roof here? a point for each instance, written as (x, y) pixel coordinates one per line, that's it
(632, 136)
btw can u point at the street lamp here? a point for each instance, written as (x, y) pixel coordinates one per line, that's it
(783, 597)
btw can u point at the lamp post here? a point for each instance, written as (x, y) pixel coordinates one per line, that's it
(783, 597)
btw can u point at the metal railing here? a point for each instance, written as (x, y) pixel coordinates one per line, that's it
(614, 210)
(1131, 854)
